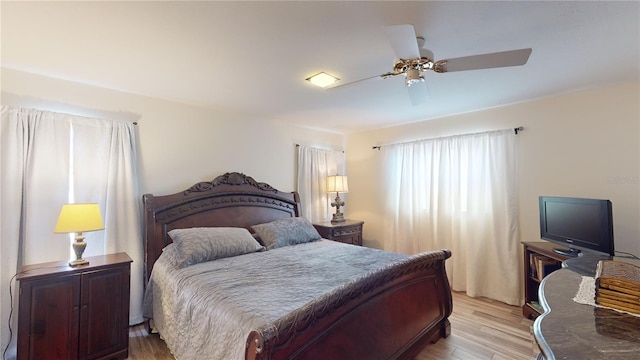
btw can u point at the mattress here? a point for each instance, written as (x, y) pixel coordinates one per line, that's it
(206, 310)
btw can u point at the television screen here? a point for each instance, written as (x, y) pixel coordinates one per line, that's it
(577, 223)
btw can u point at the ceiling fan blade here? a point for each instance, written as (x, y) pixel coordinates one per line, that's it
(403, 40)
(426, 53)
(488, 61)
(418, 92)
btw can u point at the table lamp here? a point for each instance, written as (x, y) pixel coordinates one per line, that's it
(338, 184)
(79, 218)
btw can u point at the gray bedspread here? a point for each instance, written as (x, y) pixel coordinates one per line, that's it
(206, 311)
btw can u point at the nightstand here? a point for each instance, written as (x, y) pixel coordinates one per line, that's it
(75, 312)
(349, 231)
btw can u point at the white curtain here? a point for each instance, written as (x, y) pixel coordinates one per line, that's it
(459, 193)
(48, 159)
(314, 165)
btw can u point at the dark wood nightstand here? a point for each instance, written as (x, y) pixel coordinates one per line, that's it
(349, 231)
(75, 312)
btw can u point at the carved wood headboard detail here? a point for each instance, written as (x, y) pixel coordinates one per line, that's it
(231, 200)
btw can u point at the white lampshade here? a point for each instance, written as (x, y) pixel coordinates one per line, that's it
(337, 183)
(79, 218)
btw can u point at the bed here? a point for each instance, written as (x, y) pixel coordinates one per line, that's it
(339, 301)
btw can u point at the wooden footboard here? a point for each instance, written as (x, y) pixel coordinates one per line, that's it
(391, 314)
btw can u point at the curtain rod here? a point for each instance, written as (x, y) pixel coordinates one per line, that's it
(515, 130)
(315, 147)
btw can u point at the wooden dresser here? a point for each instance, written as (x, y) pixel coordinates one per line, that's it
(75, 313)
(349, 231)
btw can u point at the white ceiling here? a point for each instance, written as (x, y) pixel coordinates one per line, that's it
(252, 58)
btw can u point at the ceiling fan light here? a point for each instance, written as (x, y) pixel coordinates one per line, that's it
(413, 76)
(322, 79)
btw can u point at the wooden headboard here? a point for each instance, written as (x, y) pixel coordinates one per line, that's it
(232, 199)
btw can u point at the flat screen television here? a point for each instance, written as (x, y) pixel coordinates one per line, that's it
(577, 223)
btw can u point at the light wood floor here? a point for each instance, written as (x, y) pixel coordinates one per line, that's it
(481, 329)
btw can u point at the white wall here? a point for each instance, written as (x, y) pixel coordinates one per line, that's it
(178, 144)
(583, 144)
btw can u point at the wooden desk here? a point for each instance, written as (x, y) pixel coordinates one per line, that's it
(569, 330)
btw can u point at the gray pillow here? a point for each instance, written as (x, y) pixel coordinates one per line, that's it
(171, 253)
(285, 232)
(195, 245)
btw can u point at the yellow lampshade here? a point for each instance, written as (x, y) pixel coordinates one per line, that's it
(337, 183)
(79, 218)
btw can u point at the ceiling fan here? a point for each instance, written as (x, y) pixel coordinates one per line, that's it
(413, 59)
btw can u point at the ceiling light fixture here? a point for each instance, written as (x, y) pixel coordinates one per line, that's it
(322, 79)
(413, 76)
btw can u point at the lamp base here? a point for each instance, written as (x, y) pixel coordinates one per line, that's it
(78, 262)
(338, 217)
(78, 247)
